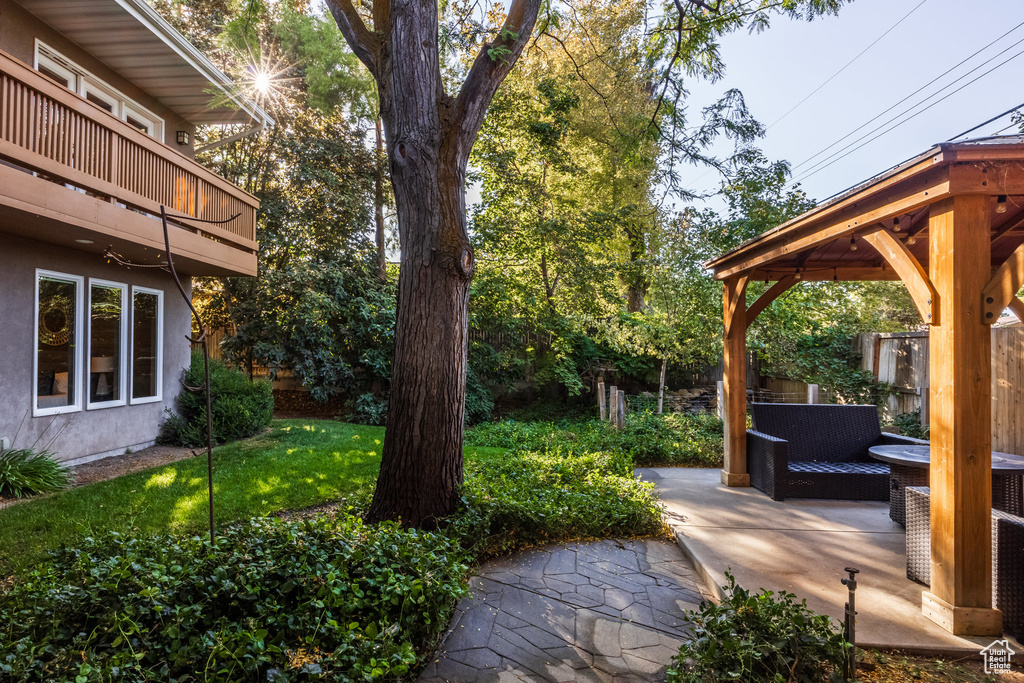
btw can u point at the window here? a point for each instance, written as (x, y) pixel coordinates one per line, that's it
(58, 351)
(108, 332)
(147, 344)
(78, 80)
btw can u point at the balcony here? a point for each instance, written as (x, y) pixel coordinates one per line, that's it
(70, 171)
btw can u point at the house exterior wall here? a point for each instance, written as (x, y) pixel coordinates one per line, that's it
(85, 434)
(19, 30)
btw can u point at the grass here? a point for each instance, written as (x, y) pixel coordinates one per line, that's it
(296, 464)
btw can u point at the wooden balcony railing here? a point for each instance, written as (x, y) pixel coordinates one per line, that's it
(47, 129)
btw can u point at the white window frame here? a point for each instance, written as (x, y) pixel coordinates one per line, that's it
(76, 406)
(51, 64)
(125, 349)
(159, 365)
(86, 82)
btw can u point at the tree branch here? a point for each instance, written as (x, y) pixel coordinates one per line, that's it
(495, 60)
(364, 43)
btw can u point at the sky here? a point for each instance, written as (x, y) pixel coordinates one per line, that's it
(778, 68)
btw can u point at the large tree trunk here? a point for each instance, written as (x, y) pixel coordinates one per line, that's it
(429, 135)
(422, 459)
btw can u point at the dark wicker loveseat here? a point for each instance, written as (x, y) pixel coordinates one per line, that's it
(818, 451)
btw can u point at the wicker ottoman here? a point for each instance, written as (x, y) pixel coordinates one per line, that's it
(1007, 556)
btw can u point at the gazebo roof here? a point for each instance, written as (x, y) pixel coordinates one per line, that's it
(817, 245)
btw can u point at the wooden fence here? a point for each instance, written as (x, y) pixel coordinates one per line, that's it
(902, 360)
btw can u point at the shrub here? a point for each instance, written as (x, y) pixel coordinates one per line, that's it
(240, 407)
(367, 409)
(909, 424)
(24, 472)
(528, 498)
(269, 601)
(649, 439)
(763, 637)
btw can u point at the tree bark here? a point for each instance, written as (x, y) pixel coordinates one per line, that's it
(378, 202)
(429, 136)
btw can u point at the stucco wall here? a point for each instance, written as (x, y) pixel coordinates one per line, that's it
(19, 30)
(87, 432)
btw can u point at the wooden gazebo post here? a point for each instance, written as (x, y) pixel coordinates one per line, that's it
(961, 413)
(734, 381)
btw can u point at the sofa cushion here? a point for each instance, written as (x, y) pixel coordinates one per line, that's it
(840, 467)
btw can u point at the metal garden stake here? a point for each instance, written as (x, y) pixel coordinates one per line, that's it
(850, 627)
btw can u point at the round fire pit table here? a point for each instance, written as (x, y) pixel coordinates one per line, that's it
(908, 466)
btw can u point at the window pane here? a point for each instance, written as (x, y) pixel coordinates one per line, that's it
(146, 345)
(105, 344)
(132, 121)
(97, 100)
(55, 379)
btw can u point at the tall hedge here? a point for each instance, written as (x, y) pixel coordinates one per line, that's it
(240, 408)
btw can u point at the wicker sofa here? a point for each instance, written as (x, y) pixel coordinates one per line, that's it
(1007, 556)
(818, 451)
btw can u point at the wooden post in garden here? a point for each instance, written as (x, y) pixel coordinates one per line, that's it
(721, 400)
(613, 400)
(600, 398)
(960, 475)
(734, 473)
(812, 393)
(620, 410)
(661, 385)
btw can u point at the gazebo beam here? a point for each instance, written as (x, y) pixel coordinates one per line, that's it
(855, 217)
(820, 273)
(773, 293)
(960, 598)
(909, 270)
(734, 381)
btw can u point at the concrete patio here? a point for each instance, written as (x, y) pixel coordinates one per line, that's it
(802, 546)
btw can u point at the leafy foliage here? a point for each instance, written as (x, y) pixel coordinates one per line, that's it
(759, 638)
(320, 599)
(909, 424)
(648, 439)
(531, 498)
(24, 472)
(240, 407)
(827, 357)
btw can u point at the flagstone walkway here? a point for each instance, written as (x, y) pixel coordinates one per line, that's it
(606, 611)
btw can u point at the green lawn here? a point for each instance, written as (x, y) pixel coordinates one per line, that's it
(298, 463)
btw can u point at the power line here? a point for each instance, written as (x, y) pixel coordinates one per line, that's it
(837, 156)
(985, 123)
(843, 68)
(939, 77)
(829, 79)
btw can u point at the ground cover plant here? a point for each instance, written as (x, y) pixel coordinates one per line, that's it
(761, 637)
(693, 440)
(24, 472)
(316, 597)
(320, 599)
(296, 464)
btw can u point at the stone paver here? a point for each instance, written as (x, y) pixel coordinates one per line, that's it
(601, 612)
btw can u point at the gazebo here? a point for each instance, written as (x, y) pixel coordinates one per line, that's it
(949, 224)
